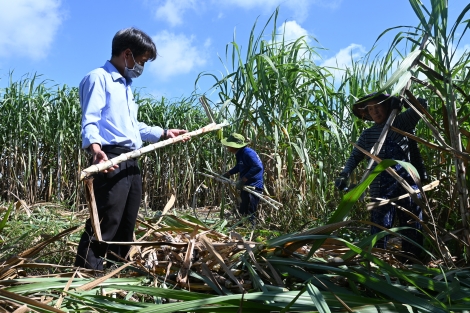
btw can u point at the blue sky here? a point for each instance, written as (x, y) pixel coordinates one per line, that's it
(64, 39)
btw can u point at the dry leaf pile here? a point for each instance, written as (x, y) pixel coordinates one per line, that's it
(181, 252)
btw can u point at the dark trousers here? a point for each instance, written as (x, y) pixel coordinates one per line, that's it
(248, 205)
(385, 216)
(388, 187)
(118, 195)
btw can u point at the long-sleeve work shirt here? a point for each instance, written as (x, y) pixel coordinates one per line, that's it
(109, 112)
(249, 166)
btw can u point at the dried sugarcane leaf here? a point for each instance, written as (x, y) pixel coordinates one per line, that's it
(167, 207)
(34, 250)
(219, 259)
(208, 274)
(7, 268)
(28, 301)
(66, 288)
(148, 243)
(251, 254)
(168, 268)
(42, 265)
(420, 140)
(177, 256)
(182, 277)
(99, 280)
(22, 309)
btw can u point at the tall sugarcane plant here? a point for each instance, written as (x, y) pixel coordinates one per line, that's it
(275, 94)
(296, 112)
(449, 77)
(38, 140)
(442, 75)
(298, 115)
(41, 155)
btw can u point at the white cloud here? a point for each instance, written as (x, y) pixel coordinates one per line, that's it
(28, 27)
(343, 59)
(173, 10)
(292, 31)
(300, 8)
(332, 4)
(207, 43)
(250, 4)
(177, 54)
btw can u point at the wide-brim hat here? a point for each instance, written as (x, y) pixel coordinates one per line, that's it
(360, 107)
(235, 141)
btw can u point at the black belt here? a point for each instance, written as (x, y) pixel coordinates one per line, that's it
(115, 149)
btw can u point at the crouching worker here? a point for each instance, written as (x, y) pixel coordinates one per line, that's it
(250, 173)
(377, 108)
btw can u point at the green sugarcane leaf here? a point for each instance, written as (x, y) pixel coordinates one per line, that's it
(52, 284)
(402, 69)
(165, 293)
(254, 276)
(318, 299)
(108, 303)
(4, 221)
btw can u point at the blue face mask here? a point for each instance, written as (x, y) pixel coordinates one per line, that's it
(135, 72)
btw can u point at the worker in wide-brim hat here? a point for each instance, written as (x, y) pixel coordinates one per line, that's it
(386, 102)
(235, 141)
(250, 173)
(377, 108)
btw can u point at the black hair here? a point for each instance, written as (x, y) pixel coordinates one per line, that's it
(134, 39)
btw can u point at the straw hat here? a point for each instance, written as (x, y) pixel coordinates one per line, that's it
(360, 107)
(235, 141)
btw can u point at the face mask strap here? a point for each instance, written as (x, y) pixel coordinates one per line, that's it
(125, 61)
(135, 63)
(134, 72)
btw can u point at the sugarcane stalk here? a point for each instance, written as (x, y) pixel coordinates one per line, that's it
(459, 164)
(397, 177)
(90, 199)
(371, 205)
(95, 168)
(267, 200)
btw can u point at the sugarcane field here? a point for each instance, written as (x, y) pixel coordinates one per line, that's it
(285, 187)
